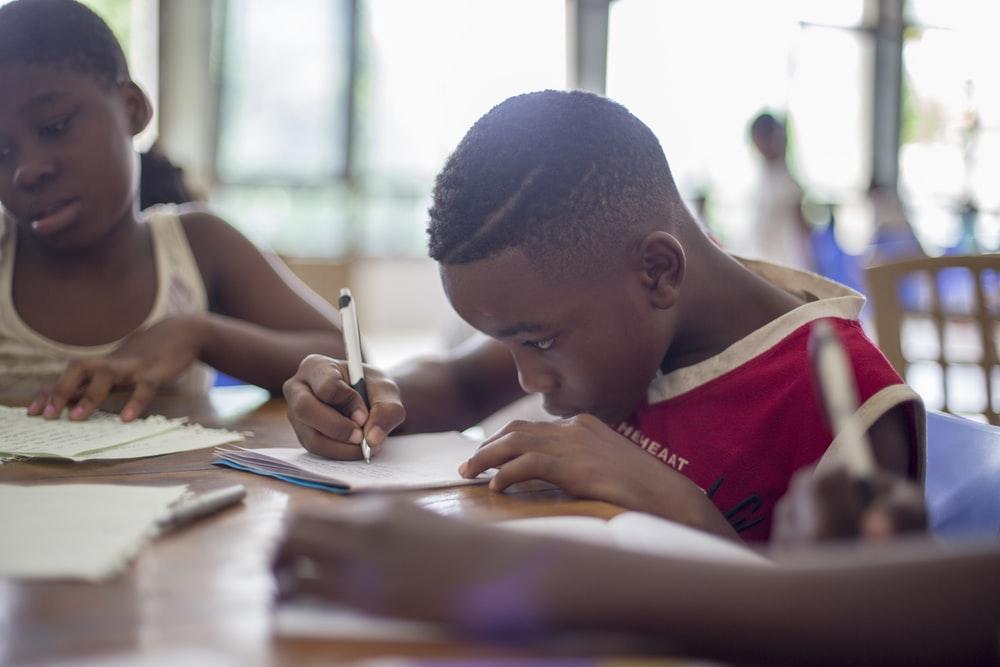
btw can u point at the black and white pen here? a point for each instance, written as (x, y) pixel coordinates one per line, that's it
(352, 342)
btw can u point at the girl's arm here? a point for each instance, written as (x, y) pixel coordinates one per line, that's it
(263, 320)
(262, 323)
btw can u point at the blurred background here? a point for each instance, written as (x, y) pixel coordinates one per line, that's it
(317, 127)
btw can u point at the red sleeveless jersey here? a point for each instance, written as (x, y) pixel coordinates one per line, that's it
(741, 423)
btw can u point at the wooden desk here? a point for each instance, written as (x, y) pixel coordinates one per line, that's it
(209, 585)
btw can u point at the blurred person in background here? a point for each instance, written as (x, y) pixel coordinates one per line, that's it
(780, 232)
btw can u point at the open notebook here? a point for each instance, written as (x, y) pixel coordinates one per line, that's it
(103, 436)
(424, 461)
(631, 531)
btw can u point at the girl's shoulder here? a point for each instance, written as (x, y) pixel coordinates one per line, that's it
(218, 248)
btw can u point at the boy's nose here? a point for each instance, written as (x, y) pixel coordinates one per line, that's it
(535, 378)
(33, 172)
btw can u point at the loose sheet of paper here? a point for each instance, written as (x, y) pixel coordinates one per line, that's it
(182, 439)
(422, 461)
(77, 531)
(22, 435)
(102, 436)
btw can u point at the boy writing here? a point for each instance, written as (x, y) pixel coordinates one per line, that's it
(681, 373)
(94, 295)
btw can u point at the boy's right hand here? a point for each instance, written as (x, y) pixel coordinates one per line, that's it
(329, 417)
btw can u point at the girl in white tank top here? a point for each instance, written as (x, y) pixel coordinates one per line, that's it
(29, 361)
(68, 187)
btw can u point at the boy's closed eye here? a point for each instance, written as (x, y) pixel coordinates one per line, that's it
(541, 344)
(56, 127)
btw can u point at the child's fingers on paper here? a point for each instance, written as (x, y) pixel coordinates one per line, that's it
(38, 403)
(532, 465)
(498, 452)
(75, 375)
(97, 390)
(145, 389)
(319, 444)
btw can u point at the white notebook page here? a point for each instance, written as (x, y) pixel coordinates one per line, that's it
(422, 461)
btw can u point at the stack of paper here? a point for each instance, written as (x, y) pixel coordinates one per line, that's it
(77, 531)
(103, 436)
(424, 461)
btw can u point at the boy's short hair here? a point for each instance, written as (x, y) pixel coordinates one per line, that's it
(563, 176)
(61, 33)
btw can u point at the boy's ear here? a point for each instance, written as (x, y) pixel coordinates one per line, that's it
(138, 108)
(662, 264)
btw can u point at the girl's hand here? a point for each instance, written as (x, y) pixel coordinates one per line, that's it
(143, 362)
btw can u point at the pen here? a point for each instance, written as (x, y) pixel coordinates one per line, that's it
(352, 341)
(840, 402)
(191, 509)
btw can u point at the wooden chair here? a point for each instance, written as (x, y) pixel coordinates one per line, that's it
(923, 289)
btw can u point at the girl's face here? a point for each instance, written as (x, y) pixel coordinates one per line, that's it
(68, 172)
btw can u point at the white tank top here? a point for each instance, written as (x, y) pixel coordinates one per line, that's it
(30, 361)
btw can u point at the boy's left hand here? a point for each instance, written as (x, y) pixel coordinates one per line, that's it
(587, 458)
(143, 362)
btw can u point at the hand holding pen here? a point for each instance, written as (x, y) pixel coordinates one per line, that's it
(855, 500)
(329, 416)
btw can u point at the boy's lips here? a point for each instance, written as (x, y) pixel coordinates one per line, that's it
(559, 410)
(54, 218)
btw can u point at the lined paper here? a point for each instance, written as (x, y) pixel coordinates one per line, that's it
(102, 436)
(424, 461)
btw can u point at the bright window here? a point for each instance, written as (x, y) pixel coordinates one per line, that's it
(298, 177)
(698, 72)
(950, 154)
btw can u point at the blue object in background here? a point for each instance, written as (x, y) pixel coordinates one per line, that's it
(223, 380)
(832, 262)
(963, 477)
